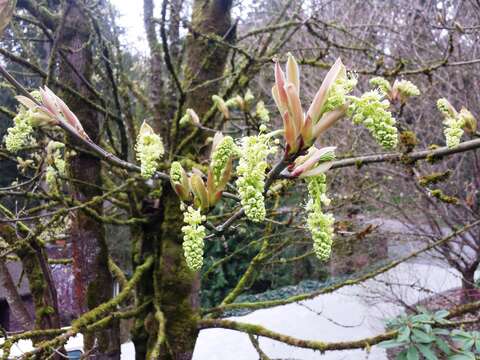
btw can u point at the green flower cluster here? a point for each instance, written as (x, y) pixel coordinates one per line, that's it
(407, 88)
(381, 83)
(149, 149)
(371, 110)
(221, 155)
(337, 95)
(319, 224)
(57, 165)
(262, 113)
(251, 175)
(20, 135)
(454, 123)
(176, 172)
(193, 236)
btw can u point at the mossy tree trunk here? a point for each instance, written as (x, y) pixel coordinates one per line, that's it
(173, 296)
(35, 265)
(93, 283)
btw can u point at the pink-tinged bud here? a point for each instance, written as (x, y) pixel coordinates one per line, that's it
(198, 187)
(307, 131)
(308, 165)
(281, 107)
(71, 118)
(315, 110)
(48, 101)
(295, 107)
(280, 84)
(293, 74)
(327, 121)
(211, 187)
(289, 133)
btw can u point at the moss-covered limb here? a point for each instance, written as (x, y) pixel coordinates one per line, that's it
(157, 347)
(122, 314)
(104, 309)
(270, 29)
(117, 273)
(41, 12)
(35, 264)
(434, 178)
(247, 276)
(256, 345)
(349, 282)
(322, 346)
(290, 340)
(251, 270)
(92, 203)
(283, 261)
(7, 112)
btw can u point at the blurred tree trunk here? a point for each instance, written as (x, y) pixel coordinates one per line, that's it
(13, 298)
(93, 283)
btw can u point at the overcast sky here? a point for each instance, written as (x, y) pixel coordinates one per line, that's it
(131, 18)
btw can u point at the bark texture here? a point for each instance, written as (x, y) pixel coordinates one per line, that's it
(93, 283)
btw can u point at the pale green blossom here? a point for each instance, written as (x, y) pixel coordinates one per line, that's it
(56, 168)
(222, 153)
(406, 88)
(262, 112)
(20, 135)
(149, 150)
(251, 175)
(453, 123)
(176, 171)
(338, 92)
(381, 83)
(193, 238)
(371, 110)
(319, 224)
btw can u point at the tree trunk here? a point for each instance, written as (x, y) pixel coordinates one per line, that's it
(13, 298)
(93, 283)
(470, 292)
(173, 296)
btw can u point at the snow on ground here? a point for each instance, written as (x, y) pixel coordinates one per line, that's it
(350, 313)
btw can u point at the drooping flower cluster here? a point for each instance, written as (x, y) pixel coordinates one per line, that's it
(222, 154)
(371, 110)
(455, 122)
(319, 224)
(251, 175)
(261, 112)
(56, 167)
(193, 238)
(337, 95)
(20, 135)
(149, 150)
